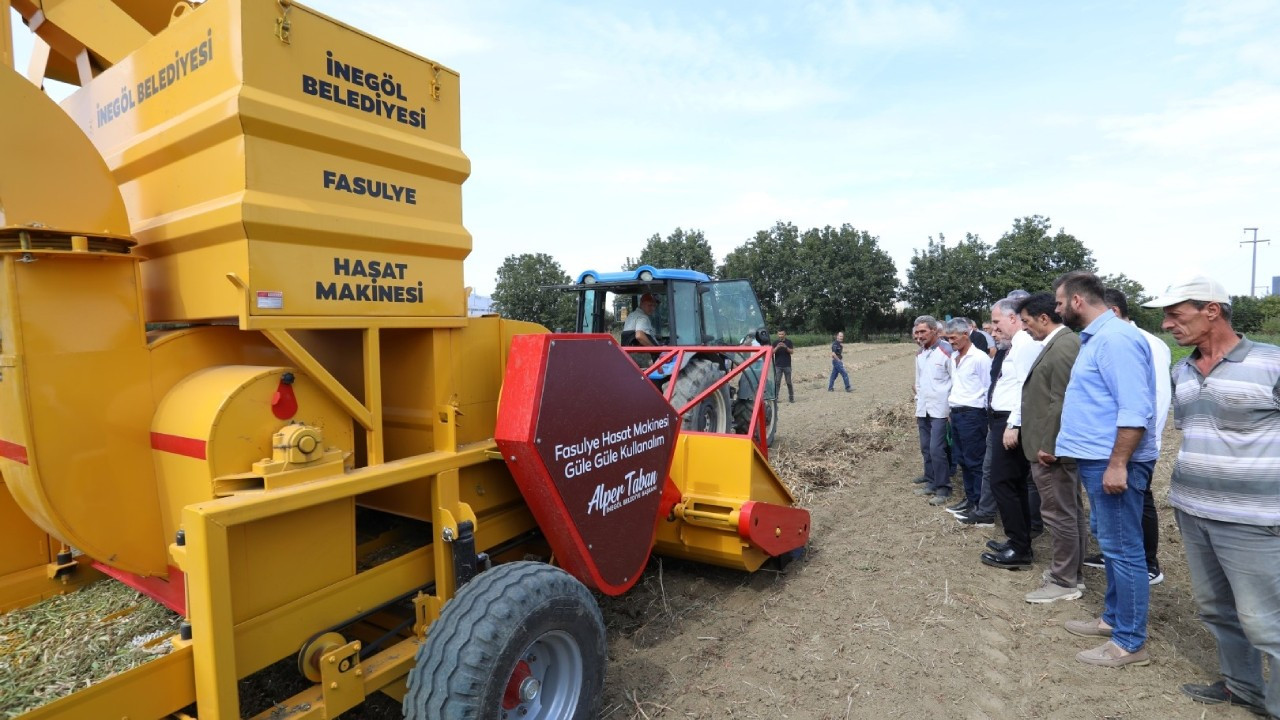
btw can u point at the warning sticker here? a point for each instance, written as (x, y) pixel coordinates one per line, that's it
(270, 300)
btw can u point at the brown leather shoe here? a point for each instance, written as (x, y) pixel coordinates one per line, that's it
(1109, 654)
(1087, 628)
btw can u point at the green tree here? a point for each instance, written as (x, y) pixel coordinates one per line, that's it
(1029, 258)
(1147, 318)
(1270, 307)
(770, 260)
(519, 293)
(1246, 313)
(846, 278)
(945, 281)
(685, 250)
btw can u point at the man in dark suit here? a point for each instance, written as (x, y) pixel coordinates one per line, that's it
(1055, 478)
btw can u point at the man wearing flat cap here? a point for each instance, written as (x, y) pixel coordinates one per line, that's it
(1225, 489)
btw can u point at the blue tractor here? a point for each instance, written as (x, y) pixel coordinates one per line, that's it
(692, 311)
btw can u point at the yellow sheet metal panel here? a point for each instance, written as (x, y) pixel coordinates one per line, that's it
(76, 404)
(47, 160)
(323, 168)
(219, 421)
(281, 559)
(25, 546)
(725, 471)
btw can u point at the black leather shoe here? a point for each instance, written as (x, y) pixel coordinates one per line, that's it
(1217, 694)
(998, 547)
(1006, 559)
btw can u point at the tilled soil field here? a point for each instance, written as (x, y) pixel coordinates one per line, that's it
(891, 615)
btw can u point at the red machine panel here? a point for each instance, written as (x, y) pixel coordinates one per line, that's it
(589, 442)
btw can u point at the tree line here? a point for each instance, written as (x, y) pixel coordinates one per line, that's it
(839, 278)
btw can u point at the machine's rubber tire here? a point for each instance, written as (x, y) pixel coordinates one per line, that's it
(517, 614)
(711, 415)
(771, 420)
(742, 417)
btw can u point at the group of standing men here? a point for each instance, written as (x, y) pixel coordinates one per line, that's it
(1074, 396)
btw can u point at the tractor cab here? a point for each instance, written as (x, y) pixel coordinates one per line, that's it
(696, 312)
(693, 310)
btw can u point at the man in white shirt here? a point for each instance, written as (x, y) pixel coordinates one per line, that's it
(638, 329)
(970, 379)
(1009, 465)
(933, 387)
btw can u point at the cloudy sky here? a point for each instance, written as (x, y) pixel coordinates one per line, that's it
(1149, 130)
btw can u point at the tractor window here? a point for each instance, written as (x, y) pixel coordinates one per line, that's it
(730, 312)
(590, 321)
(685, 297)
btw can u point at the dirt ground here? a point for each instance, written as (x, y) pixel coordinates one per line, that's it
(891, 615)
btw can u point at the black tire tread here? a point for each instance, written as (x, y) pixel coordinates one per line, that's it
(481, 617)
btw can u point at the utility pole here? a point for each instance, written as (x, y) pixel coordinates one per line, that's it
(1253, 274)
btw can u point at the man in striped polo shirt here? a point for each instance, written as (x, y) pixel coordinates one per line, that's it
(1225, 489)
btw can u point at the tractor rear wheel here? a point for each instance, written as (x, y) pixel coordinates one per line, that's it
(713, 414)
(770, 409)
(523, 641)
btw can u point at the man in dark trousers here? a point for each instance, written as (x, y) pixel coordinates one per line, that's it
(1056, 478)
(837, 364)
(782, 363)
(1008, 463)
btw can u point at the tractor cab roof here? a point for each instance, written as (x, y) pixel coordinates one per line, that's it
(645, 274)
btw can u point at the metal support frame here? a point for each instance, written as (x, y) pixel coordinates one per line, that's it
(675, 356)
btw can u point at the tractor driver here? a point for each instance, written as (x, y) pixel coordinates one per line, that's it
(640, 323)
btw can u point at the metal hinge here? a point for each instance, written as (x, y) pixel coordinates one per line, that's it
(282, 23)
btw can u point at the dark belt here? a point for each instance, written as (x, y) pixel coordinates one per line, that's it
(998, 413)
(964, 409)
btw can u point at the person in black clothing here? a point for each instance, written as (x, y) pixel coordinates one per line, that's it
(782, 363)
(837, 364)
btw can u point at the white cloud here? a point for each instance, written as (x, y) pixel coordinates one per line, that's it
(1234, 124)
(1212, 21)
(888, 24)
(1261, 55)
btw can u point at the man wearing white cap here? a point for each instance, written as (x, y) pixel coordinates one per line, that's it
(1225, 489)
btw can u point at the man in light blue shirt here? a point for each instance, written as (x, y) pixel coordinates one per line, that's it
(1108, 428)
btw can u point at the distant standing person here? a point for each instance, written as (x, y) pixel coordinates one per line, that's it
(837, 364)
(782, 363)
(1225, 490)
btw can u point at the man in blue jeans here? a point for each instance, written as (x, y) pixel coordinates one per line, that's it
(837, 364)
(1225, 490)
(1108, 428)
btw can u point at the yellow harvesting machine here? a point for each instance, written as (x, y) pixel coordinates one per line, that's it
(237, 373)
